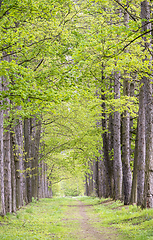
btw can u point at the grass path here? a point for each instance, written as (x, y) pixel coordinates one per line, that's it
(77, 219)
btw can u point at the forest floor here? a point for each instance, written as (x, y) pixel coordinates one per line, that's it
(84, 214)
(77, 218)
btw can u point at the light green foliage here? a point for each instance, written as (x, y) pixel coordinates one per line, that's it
(33, 64)
(54, 55)
(71, 137)
(55, 46)
(73, 187)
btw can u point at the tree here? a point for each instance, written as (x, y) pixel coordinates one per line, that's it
(127, 175)
(148, 187)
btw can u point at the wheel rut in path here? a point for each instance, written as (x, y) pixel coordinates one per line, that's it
(88, 230)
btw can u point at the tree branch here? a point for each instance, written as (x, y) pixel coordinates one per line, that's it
(122, 50)
(41, 61)
(125, 9)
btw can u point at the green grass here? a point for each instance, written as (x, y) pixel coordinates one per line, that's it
(41, 220)
(54, 219)
(133, 222)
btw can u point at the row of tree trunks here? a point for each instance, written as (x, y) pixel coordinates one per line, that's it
(139, 189)
(22, 176)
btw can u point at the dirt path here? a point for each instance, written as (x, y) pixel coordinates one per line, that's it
(87, 222)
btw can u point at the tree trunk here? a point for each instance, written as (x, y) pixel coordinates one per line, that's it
(95, 178)
(134, 181)
(108, 170)
(13, 176)
(117, 143)
(127, 175)
(19, 162)
(148, 187)
(141, 148)
(32, 143)
(7, 159)
(100, 174)
(27, 147)
(110, 146)
(7, 170)
(17, 143)
(36, 157)
(2, 198)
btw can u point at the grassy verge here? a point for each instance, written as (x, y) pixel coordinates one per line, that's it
(131, 221)
(39, 220)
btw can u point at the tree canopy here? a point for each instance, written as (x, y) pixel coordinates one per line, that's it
(72, 75)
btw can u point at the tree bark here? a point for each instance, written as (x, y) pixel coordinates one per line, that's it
(127, 175)
(108, 169)
(27, 147)
(110, 146)
(141, 148)
(36, 157)
(7, 156)
(7, 171)
(19, 162)
(13, 176)
(2, 198)
(17, 143)
(117, 143)
(133, 198)
(95, 178)
(148, 187)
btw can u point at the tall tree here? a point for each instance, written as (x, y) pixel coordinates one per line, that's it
(117, 142)
(148, 189)
(127, 175)
(2, 196)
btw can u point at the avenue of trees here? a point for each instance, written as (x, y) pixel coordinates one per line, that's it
(76, 99)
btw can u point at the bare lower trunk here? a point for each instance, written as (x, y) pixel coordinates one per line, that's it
(13, 176)
(127, 175)
(148, 111)
(117, 144)
(148, 187)
(27, 145)
(35, 159)
(110, 148)
(33, 166)
(141, 148)
(100, 175)
(18, 162)
(86, 186)
(106, 159)
(134, 181)
(95, 178)
(7, 171)
(2, 199)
